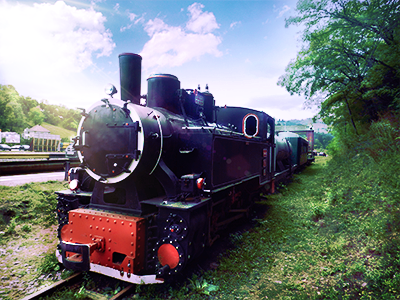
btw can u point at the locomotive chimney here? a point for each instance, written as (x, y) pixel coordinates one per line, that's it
(130, 69)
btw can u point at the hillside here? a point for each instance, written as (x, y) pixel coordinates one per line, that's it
(294, 124)
(18, 112)
(62, 132)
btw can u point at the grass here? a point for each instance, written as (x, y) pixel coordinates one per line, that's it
(332, 233)
(63, 133)
(32, 203)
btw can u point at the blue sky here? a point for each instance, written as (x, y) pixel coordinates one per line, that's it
(66, 52)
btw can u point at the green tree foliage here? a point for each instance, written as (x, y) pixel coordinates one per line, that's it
(322, 140)
(5, 109)
(350, 60)
(36, 116)
(27, 104)
(14, 118)
(18, 112)
(61, 115)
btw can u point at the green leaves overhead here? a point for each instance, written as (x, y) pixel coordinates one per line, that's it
(350, 60)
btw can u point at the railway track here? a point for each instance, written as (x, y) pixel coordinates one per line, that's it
(73, 279)
(28, 162)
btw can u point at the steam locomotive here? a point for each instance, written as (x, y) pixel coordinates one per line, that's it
(158, 182)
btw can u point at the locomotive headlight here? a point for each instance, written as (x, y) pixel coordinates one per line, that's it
(74, 184)
(200, 183)
(110, 90)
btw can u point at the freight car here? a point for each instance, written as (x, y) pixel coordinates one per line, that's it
(158, 182)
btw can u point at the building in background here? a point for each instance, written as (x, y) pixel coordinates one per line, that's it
(10, 137)
(41, 139)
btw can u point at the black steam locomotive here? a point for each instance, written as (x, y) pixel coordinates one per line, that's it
(158, 182)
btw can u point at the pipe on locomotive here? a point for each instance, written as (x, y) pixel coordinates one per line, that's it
(130, 71)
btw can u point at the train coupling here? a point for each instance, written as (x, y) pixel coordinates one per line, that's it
(163, 271)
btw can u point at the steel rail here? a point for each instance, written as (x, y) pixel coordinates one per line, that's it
(52, 287)
(72, 279)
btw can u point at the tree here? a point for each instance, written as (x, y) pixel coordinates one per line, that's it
(349, 63)
(36, 116)
(4, 107)
(16, 120)
(13, 117)
(322, 140)
(27, 104)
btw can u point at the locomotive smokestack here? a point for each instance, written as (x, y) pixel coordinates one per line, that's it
(130, 69)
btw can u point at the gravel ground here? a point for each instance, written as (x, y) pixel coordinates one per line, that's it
(21, 256)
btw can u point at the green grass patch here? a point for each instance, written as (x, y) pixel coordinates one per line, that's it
(63, 133)
(27, 205)
(332, 233)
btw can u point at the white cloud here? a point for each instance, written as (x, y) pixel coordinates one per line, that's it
(140, 20)
(201, 22)
(234, 24)
(43, 44)
(132, 16)
(116, 7)
(176, 45)
(284, 9)
(123, 28)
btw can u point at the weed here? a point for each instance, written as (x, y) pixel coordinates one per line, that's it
(26, 228)
(11, 228)
(49, 264)
(201, 286)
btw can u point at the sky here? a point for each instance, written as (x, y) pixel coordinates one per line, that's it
(66, 52)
